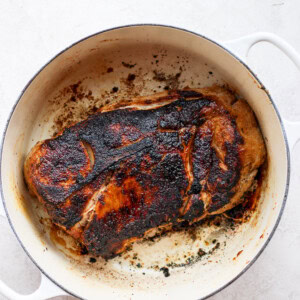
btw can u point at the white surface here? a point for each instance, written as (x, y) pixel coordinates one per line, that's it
(32, 32)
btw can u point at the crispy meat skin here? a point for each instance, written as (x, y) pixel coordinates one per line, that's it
(167, 158)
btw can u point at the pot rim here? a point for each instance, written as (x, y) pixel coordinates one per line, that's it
(197, 35)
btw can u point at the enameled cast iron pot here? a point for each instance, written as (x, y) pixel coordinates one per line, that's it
(87, 60)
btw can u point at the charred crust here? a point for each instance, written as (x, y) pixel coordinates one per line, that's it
(139, 153)
(196, 209)
(189, 94)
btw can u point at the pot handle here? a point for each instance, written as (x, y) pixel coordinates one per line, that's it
(241, 47)
(46, 290)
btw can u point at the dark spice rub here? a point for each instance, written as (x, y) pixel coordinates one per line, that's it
(163, 159)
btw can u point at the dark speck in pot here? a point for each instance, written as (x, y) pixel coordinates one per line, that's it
(165, 271)
(201, 252)
(115, 89)
(127, 65)
(131, 77)
(92, 260)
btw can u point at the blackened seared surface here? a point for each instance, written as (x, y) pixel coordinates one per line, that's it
(152, 198)
(201, 157)
(151, 167)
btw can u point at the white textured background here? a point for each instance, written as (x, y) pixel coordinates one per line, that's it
(32, 32)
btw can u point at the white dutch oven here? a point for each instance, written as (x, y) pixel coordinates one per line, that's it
(32, 117)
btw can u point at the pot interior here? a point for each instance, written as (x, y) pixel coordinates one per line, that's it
(105, 68)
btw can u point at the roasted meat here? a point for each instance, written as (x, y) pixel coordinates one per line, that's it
(151, 162)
